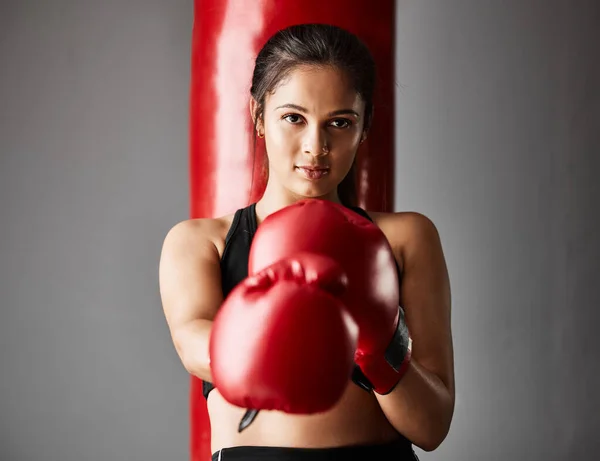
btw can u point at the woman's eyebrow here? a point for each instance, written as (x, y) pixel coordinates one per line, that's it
(330, 114)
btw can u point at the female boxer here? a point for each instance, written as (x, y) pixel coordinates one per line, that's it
(311, 101)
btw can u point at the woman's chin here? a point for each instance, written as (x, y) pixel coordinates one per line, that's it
(313, 192)
(323, 188)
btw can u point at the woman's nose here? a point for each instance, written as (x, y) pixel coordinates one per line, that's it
(316, 144)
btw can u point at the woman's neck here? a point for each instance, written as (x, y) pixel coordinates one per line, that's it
(275, 198)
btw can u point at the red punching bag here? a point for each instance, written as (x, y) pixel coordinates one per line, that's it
(225, 165)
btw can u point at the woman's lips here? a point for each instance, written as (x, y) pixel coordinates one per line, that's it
(313, 172)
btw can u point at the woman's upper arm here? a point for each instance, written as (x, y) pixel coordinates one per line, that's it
(189, 275)
(425, 296)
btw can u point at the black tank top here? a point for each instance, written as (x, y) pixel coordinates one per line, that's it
(234, 262)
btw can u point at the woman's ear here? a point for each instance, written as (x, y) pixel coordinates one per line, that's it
(253, 106)
(368, 123)
(256, 116)
(363, 137)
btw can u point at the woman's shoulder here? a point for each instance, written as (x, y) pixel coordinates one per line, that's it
(406, 220)
(405, 230)
(202, 231)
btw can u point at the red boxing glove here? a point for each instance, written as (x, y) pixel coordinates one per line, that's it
(283, 340)
(372, 298)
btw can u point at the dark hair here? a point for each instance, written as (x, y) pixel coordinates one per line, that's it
(316, 44)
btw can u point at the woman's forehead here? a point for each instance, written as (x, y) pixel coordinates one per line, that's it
(316, 88)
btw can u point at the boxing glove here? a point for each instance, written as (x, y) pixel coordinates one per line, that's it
(372, 297)
(283, 340)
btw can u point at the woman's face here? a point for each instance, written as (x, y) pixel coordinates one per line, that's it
(313, 124)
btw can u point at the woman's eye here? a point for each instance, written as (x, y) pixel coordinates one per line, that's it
(292, 118)
(341, 123)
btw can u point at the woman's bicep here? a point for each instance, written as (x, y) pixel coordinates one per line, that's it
(189, 276)
(425, 297)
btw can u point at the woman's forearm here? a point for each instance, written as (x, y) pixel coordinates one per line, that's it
(420, 407)
(191, 342)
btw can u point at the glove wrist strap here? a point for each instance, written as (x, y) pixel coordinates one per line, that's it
(398, 352)
(382, 373)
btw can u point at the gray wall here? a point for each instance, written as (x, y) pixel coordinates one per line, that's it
(498, 142)
(93, 173)
(498, 116)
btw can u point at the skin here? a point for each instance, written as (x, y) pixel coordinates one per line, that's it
(312, 108)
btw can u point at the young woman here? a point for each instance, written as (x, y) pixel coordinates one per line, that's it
(311, 100)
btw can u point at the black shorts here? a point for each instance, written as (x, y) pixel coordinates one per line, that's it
(396, 451)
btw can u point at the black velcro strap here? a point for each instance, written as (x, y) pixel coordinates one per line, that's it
(360, 379)
(247, 419)
(396, 352)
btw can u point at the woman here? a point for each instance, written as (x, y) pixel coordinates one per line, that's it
(311, 100)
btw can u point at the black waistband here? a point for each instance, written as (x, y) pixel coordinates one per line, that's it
(399, 450)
